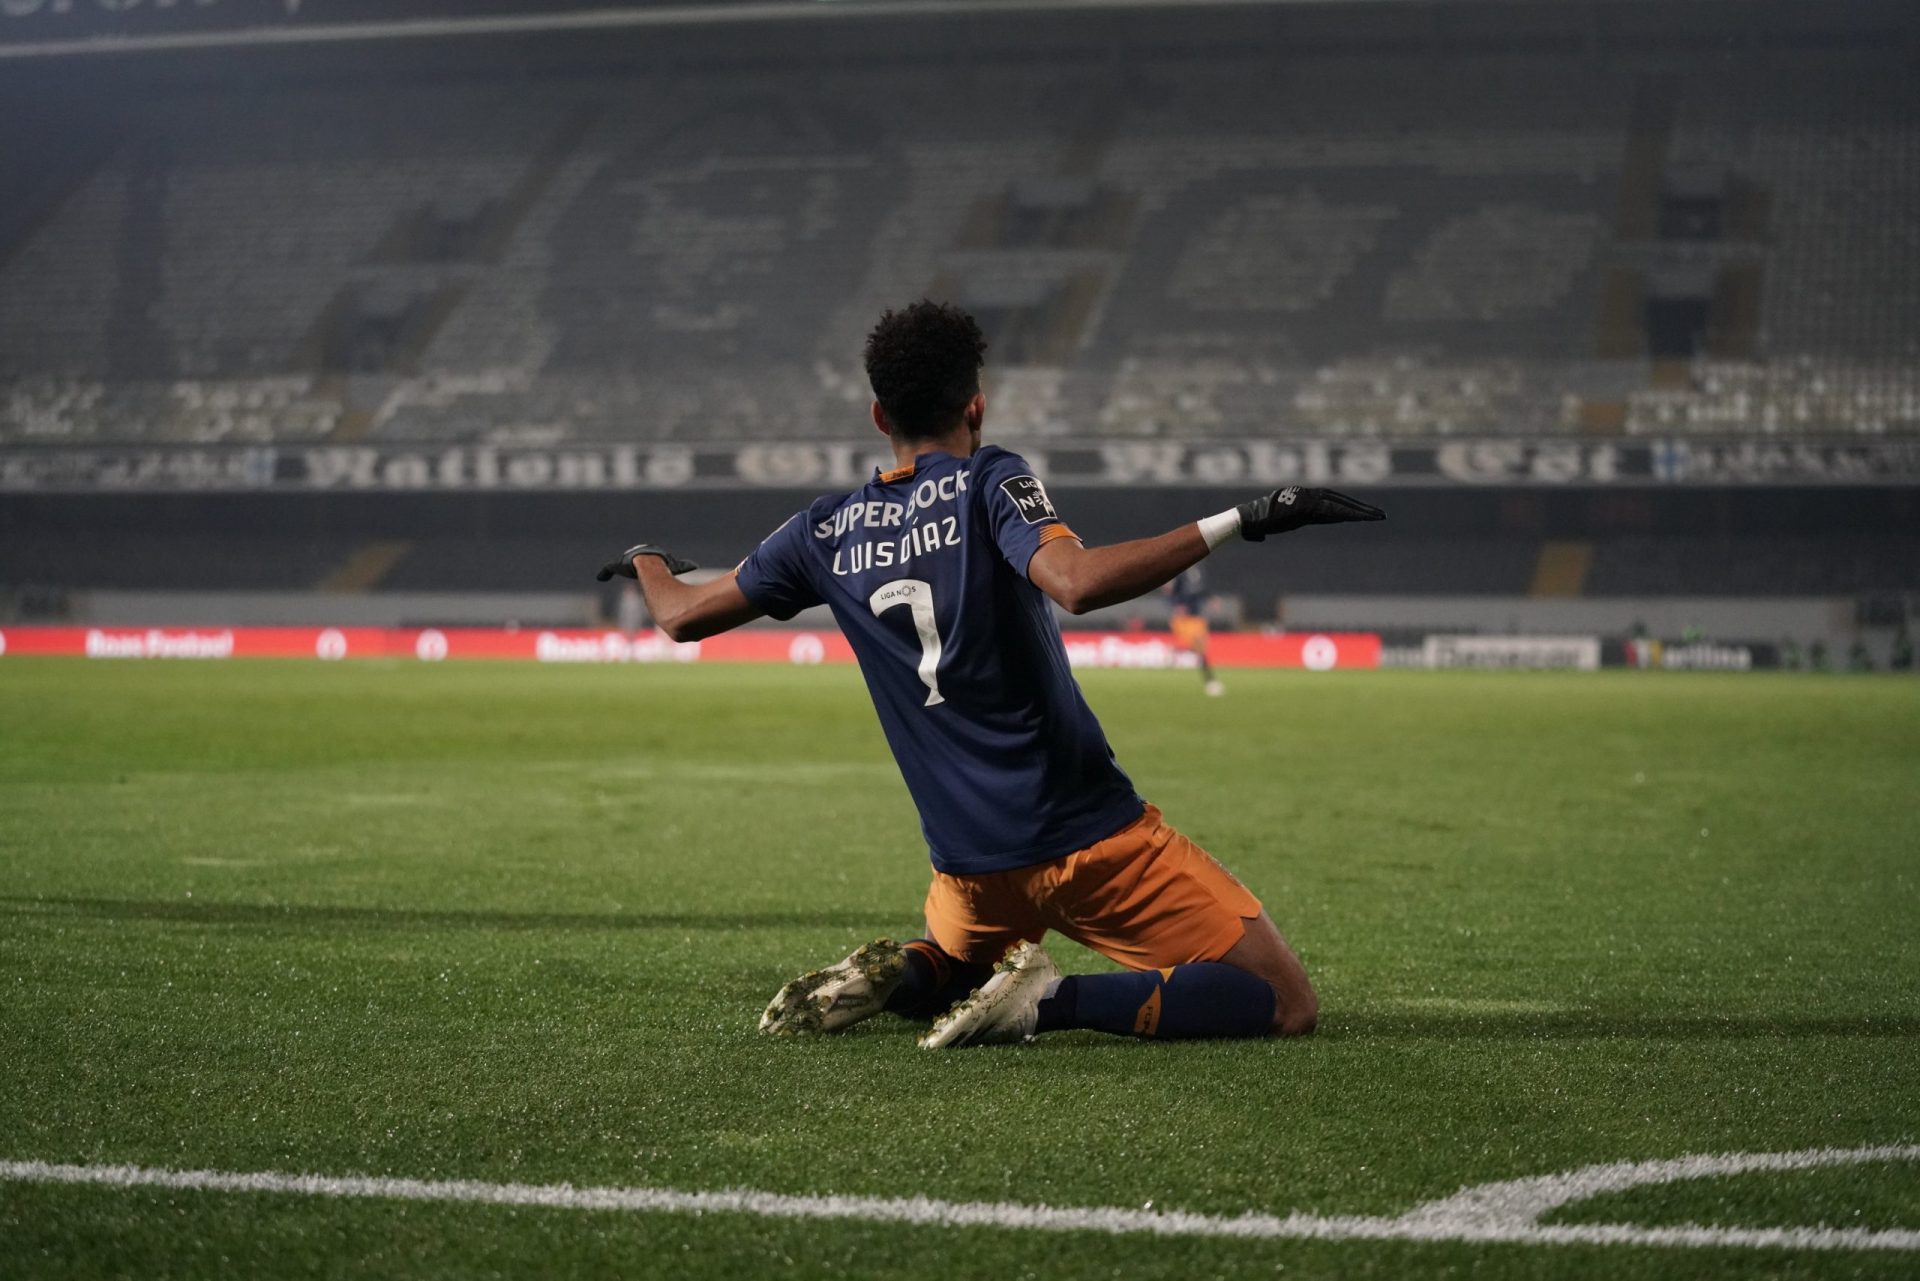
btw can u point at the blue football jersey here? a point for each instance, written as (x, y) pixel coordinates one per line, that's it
(925, 569)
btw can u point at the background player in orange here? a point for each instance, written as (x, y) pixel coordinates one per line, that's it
(1188, 623)
(943, 573)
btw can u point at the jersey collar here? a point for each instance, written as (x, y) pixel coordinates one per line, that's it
(902, 473)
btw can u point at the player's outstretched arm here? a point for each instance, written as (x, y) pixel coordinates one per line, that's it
(1082, 578)
(684, 611)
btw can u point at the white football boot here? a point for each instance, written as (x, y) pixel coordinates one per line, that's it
(1002, 1010)
(839, 996)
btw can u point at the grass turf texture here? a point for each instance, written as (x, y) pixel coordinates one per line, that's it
(515, 923)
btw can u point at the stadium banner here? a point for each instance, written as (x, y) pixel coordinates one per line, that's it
(1692, 655)
(1562, 653)
(1313, 651)
(393, 468)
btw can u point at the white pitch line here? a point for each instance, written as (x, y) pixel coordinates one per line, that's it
(1467, 1217)
(1525, 1200)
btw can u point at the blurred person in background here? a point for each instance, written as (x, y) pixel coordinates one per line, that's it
(1189, 624)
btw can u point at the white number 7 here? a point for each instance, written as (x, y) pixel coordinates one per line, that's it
(917, 595)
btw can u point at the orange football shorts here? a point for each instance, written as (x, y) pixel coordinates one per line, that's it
(1146, 897)
(1189, 631)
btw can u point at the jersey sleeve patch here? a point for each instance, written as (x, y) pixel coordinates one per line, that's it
(1029, 498)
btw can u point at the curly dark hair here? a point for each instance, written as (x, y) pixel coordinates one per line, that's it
(924, 363)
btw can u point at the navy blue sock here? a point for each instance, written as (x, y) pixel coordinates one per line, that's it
(934, 980)
(1199, 1000)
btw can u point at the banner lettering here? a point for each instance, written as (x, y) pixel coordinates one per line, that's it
(1535, 463)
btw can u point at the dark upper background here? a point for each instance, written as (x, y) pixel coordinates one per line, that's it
(1378, 220)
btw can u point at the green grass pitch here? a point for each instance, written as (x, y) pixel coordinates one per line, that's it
(515, 924)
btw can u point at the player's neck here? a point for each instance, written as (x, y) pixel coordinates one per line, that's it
(959, 442)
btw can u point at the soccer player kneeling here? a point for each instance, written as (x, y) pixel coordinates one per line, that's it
(940, 572)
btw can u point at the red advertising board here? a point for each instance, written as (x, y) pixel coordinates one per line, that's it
(1316, 651)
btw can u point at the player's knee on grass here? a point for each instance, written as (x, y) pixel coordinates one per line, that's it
(1296, 1006)
(1296, 1010)
(1261, 950)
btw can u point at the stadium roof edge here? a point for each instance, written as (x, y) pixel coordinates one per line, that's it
(694, 14)
(673, 15)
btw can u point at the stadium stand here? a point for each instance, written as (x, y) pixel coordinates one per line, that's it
(164, 559)
(1752, 566)
(1357, 246)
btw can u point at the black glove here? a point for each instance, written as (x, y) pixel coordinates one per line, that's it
(1292, 507)
(624, 566)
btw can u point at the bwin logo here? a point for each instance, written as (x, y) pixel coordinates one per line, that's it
(1288, 494)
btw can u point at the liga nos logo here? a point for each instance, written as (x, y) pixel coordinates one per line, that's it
(1029, 498)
